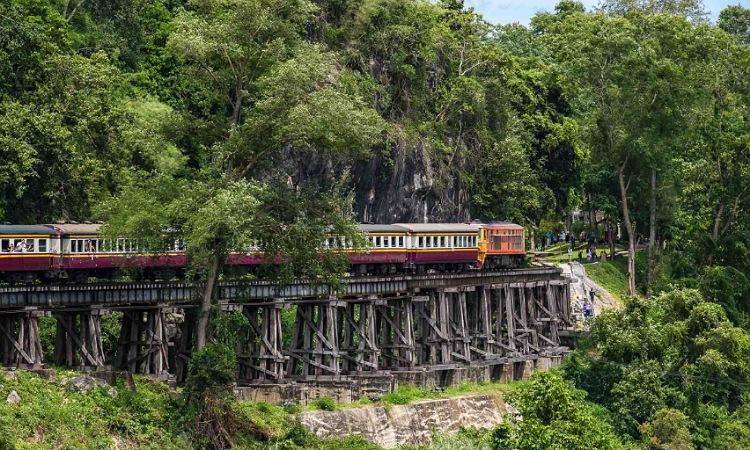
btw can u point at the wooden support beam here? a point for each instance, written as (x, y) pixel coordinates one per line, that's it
(317, 353)
(143, 345)
(20, 345)
(78, 339)
(260, 354)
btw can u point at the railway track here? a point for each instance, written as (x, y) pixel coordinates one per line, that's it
(259, 291)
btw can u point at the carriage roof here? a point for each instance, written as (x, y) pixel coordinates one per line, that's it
(77, 228)
(26, 229)
(440, 227)
(381, 228)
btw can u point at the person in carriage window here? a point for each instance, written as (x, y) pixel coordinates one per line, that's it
(88, 247)
(20, 246)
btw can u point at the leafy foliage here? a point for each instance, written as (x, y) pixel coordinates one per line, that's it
(669, 370)
(554, 415)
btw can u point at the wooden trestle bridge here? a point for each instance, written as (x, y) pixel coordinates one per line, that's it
(371, 325)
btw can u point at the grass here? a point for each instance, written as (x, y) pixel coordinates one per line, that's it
(611, 275)
(50, 416)
(562, 255)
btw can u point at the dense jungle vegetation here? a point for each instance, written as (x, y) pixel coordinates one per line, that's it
(197, 117)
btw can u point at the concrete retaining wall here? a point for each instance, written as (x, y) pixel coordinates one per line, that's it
(347, 390)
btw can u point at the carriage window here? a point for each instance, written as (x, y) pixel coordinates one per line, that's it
(401, 241)
(428, 241)
(4, 245)
(42, 245)
(386, 241)
(377, 241)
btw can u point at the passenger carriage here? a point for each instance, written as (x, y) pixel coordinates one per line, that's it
(26, 250)
(78, 251)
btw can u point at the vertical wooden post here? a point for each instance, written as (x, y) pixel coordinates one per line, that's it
(444, 327)
(184, 344)
(510, 324)
(19, 339)
(260, 351)
(78, 338)
(143, 344)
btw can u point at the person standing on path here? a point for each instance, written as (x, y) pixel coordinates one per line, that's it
(570, 254)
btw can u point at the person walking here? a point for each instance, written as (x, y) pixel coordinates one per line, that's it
(570, 254)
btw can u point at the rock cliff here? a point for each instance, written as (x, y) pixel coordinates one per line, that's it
(413, 424)
(403, 183)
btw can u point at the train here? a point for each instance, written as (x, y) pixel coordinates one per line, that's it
(78, 252)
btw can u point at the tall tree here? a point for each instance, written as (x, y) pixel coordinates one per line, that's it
(735, 20)
(692, 9)
(275, 95)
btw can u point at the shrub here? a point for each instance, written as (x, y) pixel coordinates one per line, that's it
(552, 414)
(324, 404)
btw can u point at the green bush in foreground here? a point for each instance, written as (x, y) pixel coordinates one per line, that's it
(50, 416)
(672, 371)
(553, 415)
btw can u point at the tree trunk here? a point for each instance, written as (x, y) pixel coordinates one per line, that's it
(532, 240)
(715, 233)
(592, 216)
(611, 238)
(202, 328)
(237, 106)
(651, 235)
(628, 228)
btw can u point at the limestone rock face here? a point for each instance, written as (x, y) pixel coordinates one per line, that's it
(413, 424)
(403, 183)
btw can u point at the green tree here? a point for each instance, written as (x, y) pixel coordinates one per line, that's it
(735, 20)
(692, 9)
(553, 415)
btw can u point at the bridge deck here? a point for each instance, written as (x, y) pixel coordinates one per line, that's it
(256, 292)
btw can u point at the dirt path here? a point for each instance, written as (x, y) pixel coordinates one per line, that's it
(580, 288)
